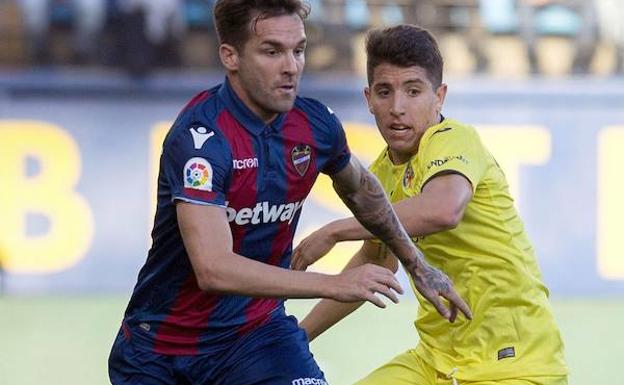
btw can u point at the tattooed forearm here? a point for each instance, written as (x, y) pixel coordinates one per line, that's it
(363, 194)
(368, 203)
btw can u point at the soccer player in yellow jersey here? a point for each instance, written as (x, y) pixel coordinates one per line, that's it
(453, 199)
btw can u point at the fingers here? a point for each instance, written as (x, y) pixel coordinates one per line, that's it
(444, 312)
(294, 259)
(296, 262)
(372, 298)
(309, 251)
(453, 313)
(383, 290)
(380, 280)
(455, 304)
(393, 283)
(387, 292)
(456, 301)
(397, 286)
(387, 284)
(387, 278)
(433, 284)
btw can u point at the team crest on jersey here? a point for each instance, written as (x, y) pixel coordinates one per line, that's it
(198, 174)
(301, 155)
(408, 177)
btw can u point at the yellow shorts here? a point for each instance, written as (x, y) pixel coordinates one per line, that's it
(409, 369)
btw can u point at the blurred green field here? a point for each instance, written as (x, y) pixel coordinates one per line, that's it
(61, 340)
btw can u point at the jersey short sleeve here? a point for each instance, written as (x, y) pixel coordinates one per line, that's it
(453, 149)
(196, 163)
(341, 153)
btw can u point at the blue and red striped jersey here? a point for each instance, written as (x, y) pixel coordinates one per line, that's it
(218, 152)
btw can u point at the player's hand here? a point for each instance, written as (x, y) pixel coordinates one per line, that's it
(433, 284)
(362, 283)
(311, 249)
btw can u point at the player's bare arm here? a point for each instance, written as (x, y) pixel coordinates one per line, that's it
(218, 269)
(439, 207)
(365, 197)
(327, 312)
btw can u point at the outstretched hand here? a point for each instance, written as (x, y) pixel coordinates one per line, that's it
(433, 284)
(363, 283)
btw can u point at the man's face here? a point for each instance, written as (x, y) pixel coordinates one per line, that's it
(405, 104)
(271, 63)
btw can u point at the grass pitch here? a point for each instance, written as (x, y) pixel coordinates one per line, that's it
(66, 340)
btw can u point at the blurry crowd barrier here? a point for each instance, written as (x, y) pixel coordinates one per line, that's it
(78, 165)
(480, 36)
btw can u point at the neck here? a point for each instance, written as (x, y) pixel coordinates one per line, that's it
(398, 158)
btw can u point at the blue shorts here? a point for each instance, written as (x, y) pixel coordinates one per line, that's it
(276, 353)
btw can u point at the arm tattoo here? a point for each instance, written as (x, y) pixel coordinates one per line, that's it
(437, 280)
(369, 204)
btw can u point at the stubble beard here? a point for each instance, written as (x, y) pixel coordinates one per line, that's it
(265, 99)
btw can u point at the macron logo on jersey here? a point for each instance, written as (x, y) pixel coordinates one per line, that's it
(263, 212)
(242, 164)
(309, 381)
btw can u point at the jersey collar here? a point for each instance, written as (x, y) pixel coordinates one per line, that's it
(435, 128)
(243, 114)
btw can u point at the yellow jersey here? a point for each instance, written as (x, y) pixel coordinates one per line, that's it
(490, 260)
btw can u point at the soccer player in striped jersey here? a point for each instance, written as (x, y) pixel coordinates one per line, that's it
(236, 167)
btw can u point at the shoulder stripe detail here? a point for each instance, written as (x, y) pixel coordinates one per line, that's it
(197, 99)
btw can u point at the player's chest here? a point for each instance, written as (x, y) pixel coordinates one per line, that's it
(400, 182)
(274, 162)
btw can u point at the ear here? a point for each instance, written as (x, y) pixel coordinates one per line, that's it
(367, 94)
(229, 57)
(440, 96)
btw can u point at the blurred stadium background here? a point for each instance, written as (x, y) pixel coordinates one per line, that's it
(89, 87)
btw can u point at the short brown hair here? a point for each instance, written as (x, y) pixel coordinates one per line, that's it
(232, 18)
(404, 45)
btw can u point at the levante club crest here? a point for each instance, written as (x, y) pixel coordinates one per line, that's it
(300, 156)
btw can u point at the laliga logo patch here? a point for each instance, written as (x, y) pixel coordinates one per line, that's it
(408, 177)
(300, 156)
(198, 174)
